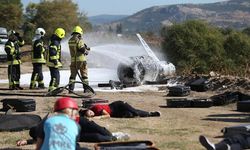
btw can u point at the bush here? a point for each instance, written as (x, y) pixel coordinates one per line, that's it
(195, 46)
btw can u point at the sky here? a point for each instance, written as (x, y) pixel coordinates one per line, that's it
(122, 7)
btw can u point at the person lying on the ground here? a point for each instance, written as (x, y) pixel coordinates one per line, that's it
(236, 142)
(90, 132)
(32, 133)
(118, 109)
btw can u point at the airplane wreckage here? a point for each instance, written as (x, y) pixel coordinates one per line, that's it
(141, 69)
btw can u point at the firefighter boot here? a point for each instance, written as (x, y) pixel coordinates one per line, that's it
(32, 85)
(71, 88)
(41, 85)
(18, 87)
(85, 81)
(12, 87)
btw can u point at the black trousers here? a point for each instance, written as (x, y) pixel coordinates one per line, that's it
(122, 109)
(55, 78)
(92, 132)
(37, 74)
(14, 74)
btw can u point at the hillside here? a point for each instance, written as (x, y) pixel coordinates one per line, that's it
(101, 19)
(232, 14)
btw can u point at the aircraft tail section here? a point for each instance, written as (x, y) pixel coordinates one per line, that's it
(147, 48)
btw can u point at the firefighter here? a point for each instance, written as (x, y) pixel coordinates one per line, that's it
(13, 57)
(78, 51)
(38, 59)
(54, 58)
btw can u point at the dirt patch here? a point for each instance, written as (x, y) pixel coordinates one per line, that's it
(176, 129)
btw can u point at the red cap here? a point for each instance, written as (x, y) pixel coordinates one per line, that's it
(65, 102)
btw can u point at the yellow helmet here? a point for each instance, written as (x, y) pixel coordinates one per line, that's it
(60, 33)
(78, 29)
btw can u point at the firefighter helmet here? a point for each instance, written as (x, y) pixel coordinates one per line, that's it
(59, 32)
(65, 102)
(78, 29)
(40, 31)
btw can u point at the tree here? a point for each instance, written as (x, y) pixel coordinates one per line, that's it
(30, 12)
(83, 21)
(119, 28)
(11, 14)
(29, 26)
(226, 31)
(17, 2)
(58, 13)
(194, 46)
(110, 29)
(247, 31)
(237, 47)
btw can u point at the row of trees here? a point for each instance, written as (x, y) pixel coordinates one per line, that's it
(10, 14)
(46, 14)
(195, 46)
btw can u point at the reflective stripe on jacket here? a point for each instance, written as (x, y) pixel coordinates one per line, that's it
(54, 54)
(38, 52)
(13, 53)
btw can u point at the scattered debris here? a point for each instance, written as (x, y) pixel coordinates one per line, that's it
(140, 69)
(179, 91)
(189, 103)
(212, 83)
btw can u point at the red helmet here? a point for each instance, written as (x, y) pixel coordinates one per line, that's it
(65, 102)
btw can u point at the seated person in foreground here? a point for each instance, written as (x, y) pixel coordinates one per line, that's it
(236, 142)
(118, 109)
(90, 132)
(61, 130)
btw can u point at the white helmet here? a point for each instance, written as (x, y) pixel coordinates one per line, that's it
(40, 31)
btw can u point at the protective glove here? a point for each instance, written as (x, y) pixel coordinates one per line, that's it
(86, 52)
(86, 47)
(17, 34)
(55, 62)
(18, 57)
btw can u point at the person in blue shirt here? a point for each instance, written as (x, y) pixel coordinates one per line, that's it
(61, 130)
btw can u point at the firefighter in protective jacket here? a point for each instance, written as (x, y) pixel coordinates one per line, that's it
(78, 51)
(54, 57)
(13, 57)
(38, 59)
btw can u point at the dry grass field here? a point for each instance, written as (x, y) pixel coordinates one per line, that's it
(176, 129)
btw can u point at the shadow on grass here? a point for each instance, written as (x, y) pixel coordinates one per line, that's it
(241, 118)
